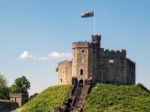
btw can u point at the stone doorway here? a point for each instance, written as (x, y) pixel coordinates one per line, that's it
(81, 83)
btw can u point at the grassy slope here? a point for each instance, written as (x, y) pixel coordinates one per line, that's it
(47, 100)
(111, 98)
(102, 98)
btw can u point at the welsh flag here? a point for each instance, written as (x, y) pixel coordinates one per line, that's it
(88, 14)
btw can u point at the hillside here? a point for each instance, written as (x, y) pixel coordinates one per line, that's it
(46, 100)
(102, 98)
(112, 98)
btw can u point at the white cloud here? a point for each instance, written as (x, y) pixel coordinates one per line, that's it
(25, 55)
(59, 55)
(50, 56)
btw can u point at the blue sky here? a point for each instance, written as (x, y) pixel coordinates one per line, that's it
(35, 35)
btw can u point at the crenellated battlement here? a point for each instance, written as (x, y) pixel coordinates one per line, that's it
(119, 53)
(91, 62)
(130, 62)
(65, 62)
(81, 44)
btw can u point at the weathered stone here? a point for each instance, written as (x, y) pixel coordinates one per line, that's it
(20, 98)
(7, 106)
(93, 63)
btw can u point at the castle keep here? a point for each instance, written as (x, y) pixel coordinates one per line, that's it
(92, 64)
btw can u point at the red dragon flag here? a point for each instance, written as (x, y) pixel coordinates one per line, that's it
(88, 14)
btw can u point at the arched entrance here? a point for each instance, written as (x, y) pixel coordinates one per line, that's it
(81, 83)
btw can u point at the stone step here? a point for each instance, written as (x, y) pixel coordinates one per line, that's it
(78, 96)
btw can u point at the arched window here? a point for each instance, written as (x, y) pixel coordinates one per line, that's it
(81, 72)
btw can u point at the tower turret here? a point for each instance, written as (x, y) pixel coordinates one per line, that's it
(96, 40)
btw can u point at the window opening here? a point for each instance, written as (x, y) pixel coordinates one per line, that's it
(81, 72)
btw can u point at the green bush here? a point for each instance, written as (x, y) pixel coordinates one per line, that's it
(4, 89)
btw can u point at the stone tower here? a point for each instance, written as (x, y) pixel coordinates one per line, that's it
(85, 61)
(65, 69)
(91, 63)
(80, 60)
(95, 58)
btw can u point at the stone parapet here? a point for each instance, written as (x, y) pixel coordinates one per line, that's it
(120, 53)
(81, 44)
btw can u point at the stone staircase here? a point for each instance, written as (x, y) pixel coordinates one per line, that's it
(81, 97)
(76, 98)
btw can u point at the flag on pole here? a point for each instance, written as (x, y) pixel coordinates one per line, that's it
(88, 14)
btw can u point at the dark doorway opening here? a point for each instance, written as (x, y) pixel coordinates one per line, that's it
(81, 72)
(81, 83)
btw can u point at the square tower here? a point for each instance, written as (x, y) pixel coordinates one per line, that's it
(20, 98)
(85, 62)
(80, 60)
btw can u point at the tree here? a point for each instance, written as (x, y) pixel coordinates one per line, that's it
(21, 85)
(3, 81)
(4, 90)
(56, 69)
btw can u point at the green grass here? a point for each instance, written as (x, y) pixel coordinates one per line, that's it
(102, 98)
(46, 100)
(112, 98)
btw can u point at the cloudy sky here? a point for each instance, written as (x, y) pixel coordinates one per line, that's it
(35, 35)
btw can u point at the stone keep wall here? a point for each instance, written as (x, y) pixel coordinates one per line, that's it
(91, 62)
(80, 61)
(65, 72)
(130, 72)
(7, 106)
(95, 58)
(86, 57)
(114, 67)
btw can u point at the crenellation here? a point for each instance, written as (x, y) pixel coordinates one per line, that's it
(114, 52)
(81, 44)
(96, 64)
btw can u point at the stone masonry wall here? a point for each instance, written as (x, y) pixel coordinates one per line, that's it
(65, 72)
(96, 39)
(130, 71)
(80, 60)
(91, 62)
(113, 66)
(20, 98)
(7, 106)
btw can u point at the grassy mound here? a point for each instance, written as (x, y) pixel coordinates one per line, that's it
(46, 100)
(112, 98)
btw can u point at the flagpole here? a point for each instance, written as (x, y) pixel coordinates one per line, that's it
(94, 22)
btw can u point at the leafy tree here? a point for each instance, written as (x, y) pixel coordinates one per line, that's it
(56, 69)
(4, 90)
(21, 85)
